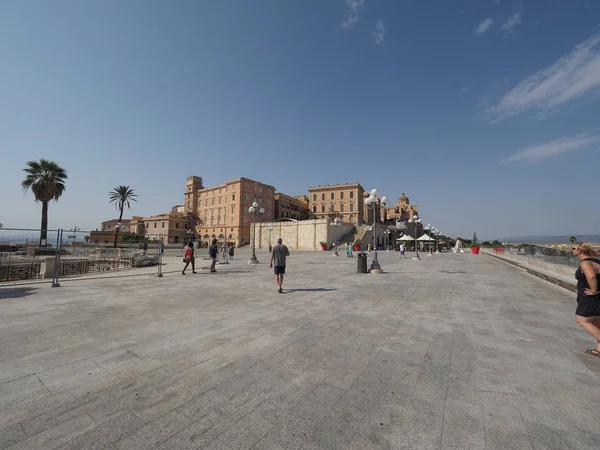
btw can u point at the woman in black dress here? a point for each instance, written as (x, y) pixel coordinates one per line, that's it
(588, 296)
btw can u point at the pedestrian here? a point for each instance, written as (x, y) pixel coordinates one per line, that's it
(587, 275)
(402, 250)
(213, 251)
(348, 250)
(188, 259)
(162, 247)
(144, 247)
(231, 251)
(278, 256)
(369, 248)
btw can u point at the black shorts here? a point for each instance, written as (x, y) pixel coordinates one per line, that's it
(588, 306)
(279, 270)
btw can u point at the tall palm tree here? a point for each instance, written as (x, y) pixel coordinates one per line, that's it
(46, 179)
(121, 196)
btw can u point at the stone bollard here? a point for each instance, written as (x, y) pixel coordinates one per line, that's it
(31, 252)
(49, 271)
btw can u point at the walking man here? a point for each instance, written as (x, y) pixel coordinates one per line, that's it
(402, 250)
(278, 256)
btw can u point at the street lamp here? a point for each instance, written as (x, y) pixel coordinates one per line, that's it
(416, 221)
(254, 211)
(336, 224)
(189, 233)
(430, 229)
(371, 203)
(387, 239)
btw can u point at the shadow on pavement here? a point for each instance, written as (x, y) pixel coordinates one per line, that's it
(16, 292)
(287, 291)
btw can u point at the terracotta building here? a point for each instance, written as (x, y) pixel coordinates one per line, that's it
(222, 211)
(287, 207)
(339, 200)
(402, 212)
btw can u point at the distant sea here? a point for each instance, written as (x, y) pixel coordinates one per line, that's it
(541, 240)
(8, 236)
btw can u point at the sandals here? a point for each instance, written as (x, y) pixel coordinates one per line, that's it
(592, 351)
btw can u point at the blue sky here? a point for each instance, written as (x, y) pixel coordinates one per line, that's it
(486, 113)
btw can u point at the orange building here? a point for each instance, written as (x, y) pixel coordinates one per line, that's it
(221, 211)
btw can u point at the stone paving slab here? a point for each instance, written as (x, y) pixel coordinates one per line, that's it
(455, 351)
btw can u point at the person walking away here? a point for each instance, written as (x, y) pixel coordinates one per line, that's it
(587, 275)
(213, 250)
(231, 251)
(279, 253)
(188, 258)
(402, 250)
(348, 250)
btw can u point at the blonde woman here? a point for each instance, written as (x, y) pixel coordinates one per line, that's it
(588, 296)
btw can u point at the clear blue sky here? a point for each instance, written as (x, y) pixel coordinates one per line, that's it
(486, 113)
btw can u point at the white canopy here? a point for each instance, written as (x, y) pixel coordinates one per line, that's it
(406, 238)
(425, 238)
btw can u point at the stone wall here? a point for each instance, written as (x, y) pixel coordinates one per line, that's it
(300, 235)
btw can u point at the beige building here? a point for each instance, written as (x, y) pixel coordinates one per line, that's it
(340, 200)
(172, 226)
(221, 211)
(109, 225)
(402, 212)
(287, 207)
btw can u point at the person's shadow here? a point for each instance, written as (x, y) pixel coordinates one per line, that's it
(287, 291)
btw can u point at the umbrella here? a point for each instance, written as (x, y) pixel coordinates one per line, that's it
(406, 238)
(425, 238)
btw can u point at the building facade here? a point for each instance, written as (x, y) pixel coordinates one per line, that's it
(221, 212)
(109, 225)
(287, 207)
(340, 200)
(402, 212)
(173, 227)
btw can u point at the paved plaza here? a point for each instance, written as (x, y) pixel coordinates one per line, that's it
(455, 351)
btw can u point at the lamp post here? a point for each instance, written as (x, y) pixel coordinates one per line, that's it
(336, 224)
(387, 239)
(416, 221)
(254, 211)
(189, 236)
(371, 203)
(429, 228)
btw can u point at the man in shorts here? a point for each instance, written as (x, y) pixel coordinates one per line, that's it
(278, 257)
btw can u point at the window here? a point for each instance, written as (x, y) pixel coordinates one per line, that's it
(233, 197)
(219, 200)
(314, 197)
(315, 209)
(341, 208)
(322, 208)
(323, 196)
(246, 197)
(351, 207)
(232, 209)
(333, 196)
(177, 225)
(351, 194)
(232, 220)
(155, 224)
(331, 208)
(213, 201)
(162, 225)
(341, 196)
(206, 203)
(281, 213)
(185, 226)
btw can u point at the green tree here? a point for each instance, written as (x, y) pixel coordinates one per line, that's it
(87, 238)
(133, 237)
(572, 239)
(121, 196)
(46, 179)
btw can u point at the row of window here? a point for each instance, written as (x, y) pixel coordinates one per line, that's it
(332, 196)
(332, 208)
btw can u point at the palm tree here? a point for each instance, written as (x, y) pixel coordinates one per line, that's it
(121, 196)
(46, 179)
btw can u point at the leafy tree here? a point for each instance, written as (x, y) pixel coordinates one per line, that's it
(46, 179)
(87, 238)
(121, 196)
(133, 237)
(572, 239)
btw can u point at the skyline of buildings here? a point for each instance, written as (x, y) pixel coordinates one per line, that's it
(221, 211)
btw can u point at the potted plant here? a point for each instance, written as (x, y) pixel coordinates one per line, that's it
(323, 245)
(475, 245)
